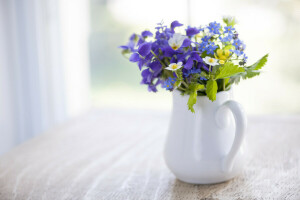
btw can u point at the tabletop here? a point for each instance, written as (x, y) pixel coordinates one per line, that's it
(112, 154)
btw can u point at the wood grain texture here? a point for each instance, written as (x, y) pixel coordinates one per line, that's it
(118, 155)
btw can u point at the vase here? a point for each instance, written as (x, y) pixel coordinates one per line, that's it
(207, 146)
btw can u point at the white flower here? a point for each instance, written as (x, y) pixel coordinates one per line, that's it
(174, 66)
(211, 61)
(176, 41)
(229, 20)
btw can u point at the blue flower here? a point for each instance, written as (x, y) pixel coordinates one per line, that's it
(206, 38)
(168, 83)
(191, 71)
(227, 38)
(237, 52)
(211, 48)
(229, 29)
(172, 80)
(245, 58)
(214, 27)
(202, 46)
(237, 43)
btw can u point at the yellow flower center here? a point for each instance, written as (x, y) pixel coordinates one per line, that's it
(211, 60)
(174, 66)
(175, 46)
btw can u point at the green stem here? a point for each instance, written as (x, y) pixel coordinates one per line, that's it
(158, 58)
(184, 84)
(181, 88)
(181, 80)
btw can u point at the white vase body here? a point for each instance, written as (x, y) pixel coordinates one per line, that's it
(206, 146)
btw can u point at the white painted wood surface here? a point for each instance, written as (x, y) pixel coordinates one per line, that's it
(118, 155)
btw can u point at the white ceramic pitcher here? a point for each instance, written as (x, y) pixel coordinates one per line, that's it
(206, 146)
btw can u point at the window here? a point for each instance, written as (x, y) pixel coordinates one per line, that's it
(265, 26)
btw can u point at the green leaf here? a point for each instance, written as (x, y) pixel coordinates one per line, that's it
(250, 74)
(235, 79)
(193, 88)
(229, 69)
(192, 101)
(211, 89)
(259, 64)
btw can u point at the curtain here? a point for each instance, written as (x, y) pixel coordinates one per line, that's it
(44, 73)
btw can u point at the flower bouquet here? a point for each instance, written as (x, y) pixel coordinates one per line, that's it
(199, 65)
(199, 61)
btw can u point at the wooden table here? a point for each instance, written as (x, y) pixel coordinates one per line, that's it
(112, 154)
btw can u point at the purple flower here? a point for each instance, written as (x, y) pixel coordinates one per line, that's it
(187, 42)
(175, 24)
(144, 49)
(130, 46)
(173, 60)
(168, 51)
(133, 37)
(205, 67)
(195, 56)
(135, 57)
(152, 87)
(155, 67)
(147, 34)
(141, 63)
(192, 31)
(189, 63)
(147, 76)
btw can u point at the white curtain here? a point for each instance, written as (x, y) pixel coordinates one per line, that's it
(44, 74)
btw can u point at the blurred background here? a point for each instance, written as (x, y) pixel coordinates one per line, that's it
(59, 58)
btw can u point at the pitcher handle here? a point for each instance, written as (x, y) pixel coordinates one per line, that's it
(240, 124)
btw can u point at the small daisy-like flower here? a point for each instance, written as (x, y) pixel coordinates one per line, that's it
(211, 61)
(174, 66)
(176, 41)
